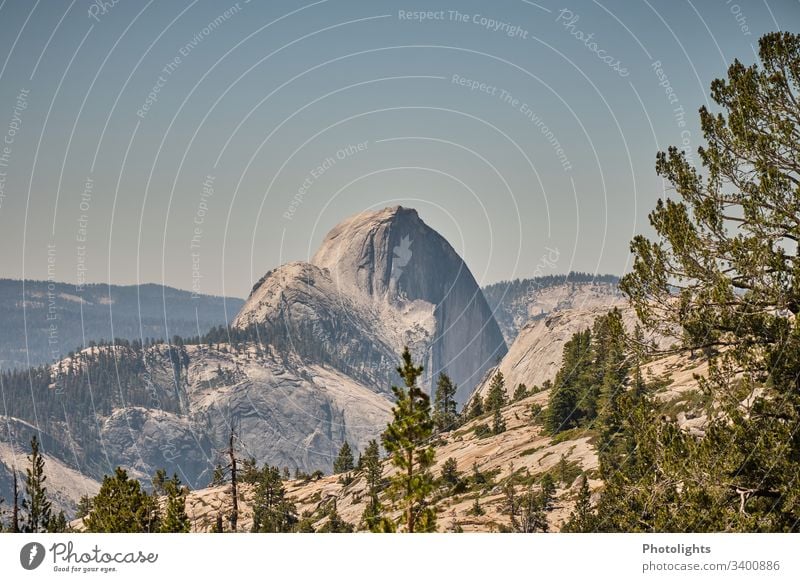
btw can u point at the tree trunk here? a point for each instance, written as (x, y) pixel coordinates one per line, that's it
(234, 493)
(15, 510)
(410, 492)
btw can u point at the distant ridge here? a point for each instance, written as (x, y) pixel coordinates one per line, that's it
(97, 312)
(515, 303)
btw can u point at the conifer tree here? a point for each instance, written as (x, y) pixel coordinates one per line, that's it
(335, 523)
(175, 519)
(122, 506)
(723, 270)
(498, 422)
(344, 461)
(520, 392)
(496, 397)
(450, 475)
(582, 519)
(476, 407)
(476, 508)
(407, 441)
(373, 516)
(444, 407)
(218, 477)
(84, 507)
(532, 512)
(272, 511)
(15, 506)
(58, 523)
(36, 503)
(564, 407)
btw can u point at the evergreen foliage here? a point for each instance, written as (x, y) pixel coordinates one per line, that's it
(122, 506)
(36, 503)
(335, 523)
(582, 519)
(273, 512)
(175, 519)
(373, 516)
(344, 461)
(724, 270)
(407, 441)
(496, 396)
(520, 392)
(84, 507)
(591, 379)
(498, 423)
(444, 407)
(476, 407)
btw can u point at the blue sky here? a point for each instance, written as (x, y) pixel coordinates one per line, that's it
(200, 144)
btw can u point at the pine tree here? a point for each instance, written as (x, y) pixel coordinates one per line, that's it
(450, 474)
(498, 422)
(496, 397)
(582, 519)
(476, 508)
(564, 406)
(58, 523)
(548, 491)
(444, 407)
(478, 478)
(233, 466)
(723, 270)
(159, 481)
(272, 511)
(218, 477)
(84, 507)
(520, 393)
(476, 407)
(335, 523)
(344, 461)
(122, 506)
(532, 512)
(175, 519)
(373, 518)
(36, 502)
(406, 439)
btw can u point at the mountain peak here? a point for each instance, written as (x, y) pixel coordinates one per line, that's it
(389, 254)
(381, 280)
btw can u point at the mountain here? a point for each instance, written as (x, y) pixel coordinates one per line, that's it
(516, 303)
(380, 281)
(43, 321)
(306, 365)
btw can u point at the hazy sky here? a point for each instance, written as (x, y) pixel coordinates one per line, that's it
(200, 143)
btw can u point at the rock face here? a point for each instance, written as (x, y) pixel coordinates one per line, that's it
(286, 413)
(536, 354)
(518, 303)
(380, 281)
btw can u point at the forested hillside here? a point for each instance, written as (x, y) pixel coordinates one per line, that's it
(49, 320)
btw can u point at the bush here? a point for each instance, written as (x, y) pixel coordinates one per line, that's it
(482, 430)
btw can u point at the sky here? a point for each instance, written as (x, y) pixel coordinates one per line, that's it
(199, 144)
